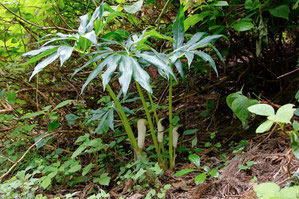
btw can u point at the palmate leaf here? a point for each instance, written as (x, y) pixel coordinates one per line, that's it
(39, 67)
(178, 28)
(207, 58)
(140, 75)
(126, 71)
(111, 67)
(97, 71)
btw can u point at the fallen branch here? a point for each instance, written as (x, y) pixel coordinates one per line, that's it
(21, 158)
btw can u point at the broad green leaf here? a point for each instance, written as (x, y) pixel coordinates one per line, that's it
(79, 150)
(207, 58)
(200, 178)
(178, 28)
(126, 71)
(262, 109)
(194, 159)
(110, 119)
(194, 19)
(239, 107)
(281, 12)
(266, 188)
(135, 7)
(265, 126)
(11, 97)
(46, 182)
(111, 67)
(296, 112)
(243, 25)
(74, 168)
(284, 114)
(84, 43)
(104, 179)
(220, 3)
(296, 126)
(141, 75)
(183, 172)
(295, 144)
(155, 34)
(87, 169)
(53, 125)
(97, 71)
(65, 53)
(61, 4)
(231, 97)
(62, 104)
(290, 192)
(39, 67)
(95, 142)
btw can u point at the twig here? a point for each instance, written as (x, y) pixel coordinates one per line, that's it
(21, 158)
(288, 73)
(33, 24)
(158, 19)
(289, 164)
(7, 159)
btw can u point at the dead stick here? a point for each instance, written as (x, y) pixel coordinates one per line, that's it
(21, 158)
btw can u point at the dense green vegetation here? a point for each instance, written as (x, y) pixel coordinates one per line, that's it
(102, 99)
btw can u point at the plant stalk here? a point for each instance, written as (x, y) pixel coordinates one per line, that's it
(149, 119)
(170, 125)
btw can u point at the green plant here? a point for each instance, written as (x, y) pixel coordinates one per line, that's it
(195, 159)
(248, 164)
(270, 190)
(130, 54)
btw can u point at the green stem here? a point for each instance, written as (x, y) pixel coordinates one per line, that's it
(149, 119)
(153, 107)
(170, 125)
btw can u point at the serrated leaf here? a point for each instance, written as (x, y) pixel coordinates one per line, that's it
(207, 58)
(262, 109)
(178, 28)
(39, 67)
(65, 53)
(243, 25)
(103, 180)
(200, 178)
(280, 11)
(194, 159)
(265, 126)
(62, 104)
(183, 172)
